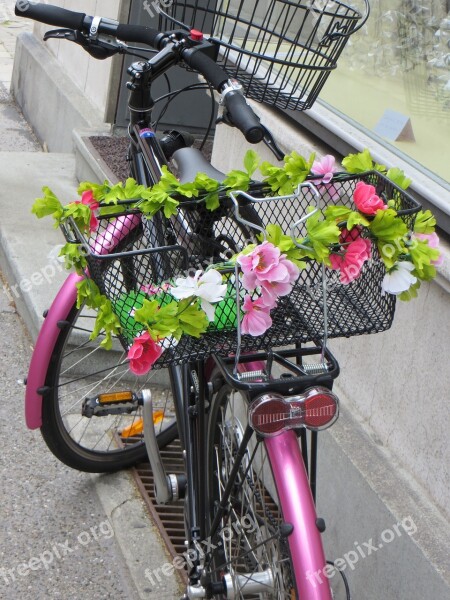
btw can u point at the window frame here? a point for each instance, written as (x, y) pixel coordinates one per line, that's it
(346, 136)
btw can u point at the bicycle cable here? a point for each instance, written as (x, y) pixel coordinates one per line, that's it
(344, 579)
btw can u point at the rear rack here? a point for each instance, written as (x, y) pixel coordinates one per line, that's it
(285, 371)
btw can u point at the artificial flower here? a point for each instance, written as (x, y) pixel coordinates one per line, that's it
(143, 354)
(266, 265)
(433, 242)
(351, 263)
(366, 200)
(326, 167)
(271, 290)
(152, 290)
(399, 279)
(206, 286)
(257, 319)
(87, 198)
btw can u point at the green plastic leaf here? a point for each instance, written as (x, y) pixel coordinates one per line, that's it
(99, 190)
(297, 167)
(147, 313)
(398, 177)
(321, 235)
(168, 180)
(106, 320)
(48, 205)
(356, 218)
(358, 163)
(251, 162)
(212, 201)
(193, 320)
(166, 320)
(188, 190)
(206, 183)
(390, 252)
(422, 255)
(337, 213)
(74, 257)
(276, 178)
(411, 293)
(425, 222)
(387, 226)
(237, 180)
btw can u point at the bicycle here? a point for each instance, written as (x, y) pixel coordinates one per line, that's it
(240, 404)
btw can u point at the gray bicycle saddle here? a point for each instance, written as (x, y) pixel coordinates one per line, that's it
(190, 161)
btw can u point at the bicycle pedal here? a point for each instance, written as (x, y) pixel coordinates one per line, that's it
(116, 403)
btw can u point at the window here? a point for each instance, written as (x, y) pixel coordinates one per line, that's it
(393, 78)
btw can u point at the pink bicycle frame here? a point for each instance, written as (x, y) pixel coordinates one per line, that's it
(294, 495)
(59, 311)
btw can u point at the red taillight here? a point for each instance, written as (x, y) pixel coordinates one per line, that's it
(317, 408)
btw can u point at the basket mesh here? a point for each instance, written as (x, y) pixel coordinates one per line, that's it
(281, 51)
(135, 271)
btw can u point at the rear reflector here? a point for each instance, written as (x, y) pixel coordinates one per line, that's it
(317, 408)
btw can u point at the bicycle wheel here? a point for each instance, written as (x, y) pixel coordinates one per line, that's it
(251, 556)
(79, 371)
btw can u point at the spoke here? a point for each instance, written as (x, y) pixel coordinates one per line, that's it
(257, 548)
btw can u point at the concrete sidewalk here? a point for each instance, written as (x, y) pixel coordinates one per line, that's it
(63, 534)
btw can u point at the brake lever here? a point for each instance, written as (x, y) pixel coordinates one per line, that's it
(97, 48)
(267, 139)
(271, 144)
(63, 34)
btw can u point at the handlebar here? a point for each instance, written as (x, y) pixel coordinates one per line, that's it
(50, 15)
(240, 113)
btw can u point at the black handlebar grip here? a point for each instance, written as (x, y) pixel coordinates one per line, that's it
(139, 34)
(50, 15)
(243, 117)
(206, 66)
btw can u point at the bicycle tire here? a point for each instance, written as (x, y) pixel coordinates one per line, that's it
(253, 517)
(89, 444)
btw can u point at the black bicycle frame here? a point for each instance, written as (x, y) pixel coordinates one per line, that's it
(189, 383)
(146, 159)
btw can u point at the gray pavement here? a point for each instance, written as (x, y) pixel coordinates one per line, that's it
(63, 534)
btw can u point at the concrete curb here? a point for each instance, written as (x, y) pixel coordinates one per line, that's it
(24, 245)
(37, 74)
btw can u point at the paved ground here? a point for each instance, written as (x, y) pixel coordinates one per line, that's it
(63, 534)
(55, 538)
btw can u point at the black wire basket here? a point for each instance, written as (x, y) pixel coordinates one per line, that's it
(281, 51)
(128, 269)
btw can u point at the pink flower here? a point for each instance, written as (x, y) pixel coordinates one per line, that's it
(433, 242)
(366, 200)
(325, 167)
(266, 265)
(87, 198)
(143, 354)
(350, 265)
(271, 290)
(257, 319)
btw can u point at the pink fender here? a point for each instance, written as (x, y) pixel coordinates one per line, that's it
(299, 510)
(44, 348)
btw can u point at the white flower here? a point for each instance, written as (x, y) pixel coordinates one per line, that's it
(206, 286)
(399, 278)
